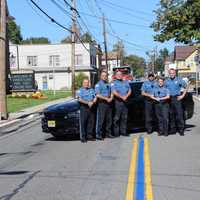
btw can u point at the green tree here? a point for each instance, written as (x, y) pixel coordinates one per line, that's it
(178, 20)
(36, 40)
(14, 32)
(66, 40)
(86, 38)
(158, 60)
(79, 79)
(137, 63)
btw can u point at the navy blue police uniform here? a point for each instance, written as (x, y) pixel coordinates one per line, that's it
(174, 85)
(87, 114)
(148, 87)
(122, 87)
(104, 110)
(162, 109)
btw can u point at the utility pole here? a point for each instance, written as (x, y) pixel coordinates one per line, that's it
(3, 104)
(105, 42)
(73, 34)
(54, 77)
(154, 60)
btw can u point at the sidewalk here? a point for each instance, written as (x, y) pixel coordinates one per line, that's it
(196, 97)
(15, 117)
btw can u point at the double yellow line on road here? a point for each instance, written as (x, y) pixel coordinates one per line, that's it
(130, 193)
(132, 172)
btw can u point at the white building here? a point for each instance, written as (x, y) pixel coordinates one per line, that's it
(113, 61)
(51, 61)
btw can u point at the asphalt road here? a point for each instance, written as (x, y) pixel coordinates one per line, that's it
(35, 166)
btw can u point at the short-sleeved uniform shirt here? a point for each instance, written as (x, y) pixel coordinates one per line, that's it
(87, 94)
(160, 92)
(175, 85)
(148, 86)
(120, 86)
(103, 88)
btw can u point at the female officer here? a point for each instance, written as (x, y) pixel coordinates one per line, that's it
(161, 96)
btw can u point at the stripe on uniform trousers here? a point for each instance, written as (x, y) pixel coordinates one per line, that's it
(97, 120)
(80, 124)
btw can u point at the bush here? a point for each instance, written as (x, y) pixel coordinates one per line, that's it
(79, 79)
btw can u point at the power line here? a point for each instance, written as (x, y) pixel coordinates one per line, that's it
(52, 19)
(115, 21)
(128, 42)
(61, 8)
(69, 14)
(56, 22)
(67, 3)
(125, 11)
(126, 8)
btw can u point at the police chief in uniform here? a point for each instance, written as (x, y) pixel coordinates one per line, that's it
(87, 99)
(147, 91)
(161, 97)
(104, 108)
(121, 91)
(175, 85)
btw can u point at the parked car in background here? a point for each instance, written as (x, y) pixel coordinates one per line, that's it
(62, 119)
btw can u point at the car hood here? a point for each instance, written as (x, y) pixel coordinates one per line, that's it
(68, 106)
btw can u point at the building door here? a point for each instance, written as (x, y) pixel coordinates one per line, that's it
(44, 83)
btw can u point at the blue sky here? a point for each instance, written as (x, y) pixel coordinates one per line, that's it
(138, 15)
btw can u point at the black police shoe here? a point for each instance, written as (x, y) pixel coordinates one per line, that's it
(110, 136)
(160, 134)
(172, 132)
(90, 137)
(125, 134)
(149, 131)
(83, 140)
(99, 138)
(181, 132)
(166, 134)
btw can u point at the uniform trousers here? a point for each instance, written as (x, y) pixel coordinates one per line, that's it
(87, 120)
(176, 115)
(104, 117)
(162, 114)
(120, 118)
(149, 115)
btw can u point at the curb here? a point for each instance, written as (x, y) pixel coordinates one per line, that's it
(16, 123)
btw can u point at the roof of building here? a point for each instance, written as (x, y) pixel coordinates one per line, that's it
(182, 52)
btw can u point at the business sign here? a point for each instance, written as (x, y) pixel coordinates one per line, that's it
(23, 81)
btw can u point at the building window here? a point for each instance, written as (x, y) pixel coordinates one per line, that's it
(78, 59)
(54, 60)
(32, 60)
(93, 60)
(12, 61)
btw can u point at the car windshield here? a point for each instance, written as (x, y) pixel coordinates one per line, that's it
(136, 89)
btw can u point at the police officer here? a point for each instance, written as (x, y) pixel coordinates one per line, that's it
(147, 91)
(104, 109)
(121, 91)
(175, 85)
(161, 97)
(87, 99)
